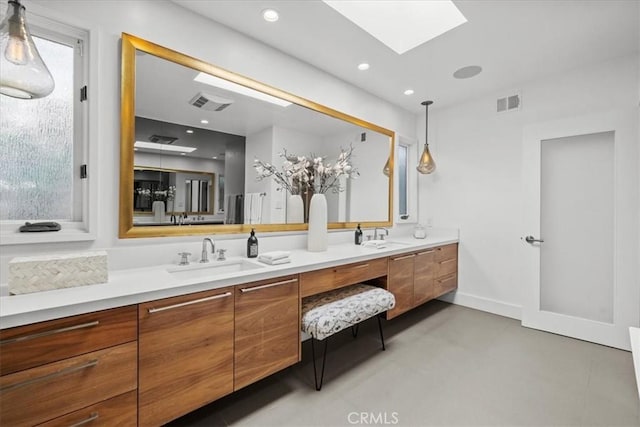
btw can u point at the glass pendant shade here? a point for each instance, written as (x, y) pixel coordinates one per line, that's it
(23, 73)
(386, 170)
(427, 165)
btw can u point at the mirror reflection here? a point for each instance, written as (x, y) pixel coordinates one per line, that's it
(197, 137)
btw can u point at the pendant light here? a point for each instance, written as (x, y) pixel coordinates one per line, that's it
(427, 164)
(23, 73)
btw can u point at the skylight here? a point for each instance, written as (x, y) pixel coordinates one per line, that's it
(243, 90)
(401, 25)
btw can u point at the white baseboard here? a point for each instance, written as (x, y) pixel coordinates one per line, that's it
(484, 304)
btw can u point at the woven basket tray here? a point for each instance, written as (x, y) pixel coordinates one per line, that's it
(44, 273)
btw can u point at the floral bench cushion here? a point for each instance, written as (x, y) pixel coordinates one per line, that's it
(330, 312)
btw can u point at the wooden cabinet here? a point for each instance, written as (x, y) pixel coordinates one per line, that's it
(185, 354)
(424, 273)
(267, 328)
(52, 369)
(422, 276)
(117, 411)
(446, 269)
(315, 282)
(400, 283)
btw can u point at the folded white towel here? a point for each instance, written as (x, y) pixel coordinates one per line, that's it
(275, 255)
(274, 262)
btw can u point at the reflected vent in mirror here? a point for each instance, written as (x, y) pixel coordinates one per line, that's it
(508, 103)
(210, 102)
(162, 139)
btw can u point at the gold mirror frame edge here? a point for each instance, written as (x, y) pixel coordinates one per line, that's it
(129, 44)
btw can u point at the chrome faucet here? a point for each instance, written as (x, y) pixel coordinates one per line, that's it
(375, 233)
(205, 257)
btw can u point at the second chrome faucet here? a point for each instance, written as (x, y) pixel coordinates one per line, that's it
(205, 256)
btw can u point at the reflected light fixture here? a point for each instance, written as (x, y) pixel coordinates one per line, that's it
(386, 170)
(427, 165)
(23, 73)
(163, 147)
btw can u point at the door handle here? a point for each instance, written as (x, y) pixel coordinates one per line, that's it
(531, 239)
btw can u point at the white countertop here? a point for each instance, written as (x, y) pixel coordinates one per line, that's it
(137, 285)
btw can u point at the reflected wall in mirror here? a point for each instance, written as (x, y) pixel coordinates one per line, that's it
(183, 193)
(181, 114)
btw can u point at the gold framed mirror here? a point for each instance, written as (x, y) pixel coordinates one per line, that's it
(182, 113)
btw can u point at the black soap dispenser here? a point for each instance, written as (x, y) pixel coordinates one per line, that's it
(358, 237)
(252, 245)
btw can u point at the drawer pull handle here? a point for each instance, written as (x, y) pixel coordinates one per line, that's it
(351, 268)
(59, 373)
(445, 278)
(94, 416)
(183, 304)
(426, 252)
(268, 285)
(404, 257)
(51, 332)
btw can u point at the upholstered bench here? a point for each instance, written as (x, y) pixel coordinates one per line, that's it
(330, 312)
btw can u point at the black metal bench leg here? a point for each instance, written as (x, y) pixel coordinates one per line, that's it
(381, 336)
(324, 359)
(354, 330)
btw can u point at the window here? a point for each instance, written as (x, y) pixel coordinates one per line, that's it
(43, 142)
(403, 203)
(407, 181)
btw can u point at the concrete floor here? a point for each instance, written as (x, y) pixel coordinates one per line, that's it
(445, 365)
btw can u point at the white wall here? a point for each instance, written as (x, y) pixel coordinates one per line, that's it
(169, 25)
(477, 186)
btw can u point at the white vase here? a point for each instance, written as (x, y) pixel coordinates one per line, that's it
(158, 211)
(317, 237)
(295, 209)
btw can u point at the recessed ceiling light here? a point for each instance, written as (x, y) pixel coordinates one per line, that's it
(189, 130)
(467, 72)
(204, 122)
(364, 66)
(408, 92)
(215, 157)
(270, 15)
(401, 25)
(183, 154)
(163, 147)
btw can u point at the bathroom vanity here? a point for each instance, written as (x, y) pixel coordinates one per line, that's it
(113, 353)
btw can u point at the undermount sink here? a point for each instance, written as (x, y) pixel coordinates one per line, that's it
(382, 244)
(212, 269)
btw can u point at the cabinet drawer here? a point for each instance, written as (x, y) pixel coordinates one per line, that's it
(315, 282)
(400, 283)
(447, 252)
(49, 391)
(447, 267)
(445, 284)
(186, 354)
(34, 345)
(267, 329)
(117, 411)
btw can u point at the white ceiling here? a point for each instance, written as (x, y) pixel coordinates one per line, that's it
(514, 41)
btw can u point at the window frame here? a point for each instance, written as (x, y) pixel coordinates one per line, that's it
(82, 226)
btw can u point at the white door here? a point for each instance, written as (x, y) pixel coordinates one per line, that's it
(580, 235)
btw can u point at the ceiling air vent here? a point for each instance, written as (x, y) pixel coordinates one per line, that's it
(508, 103)
(210, 102)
